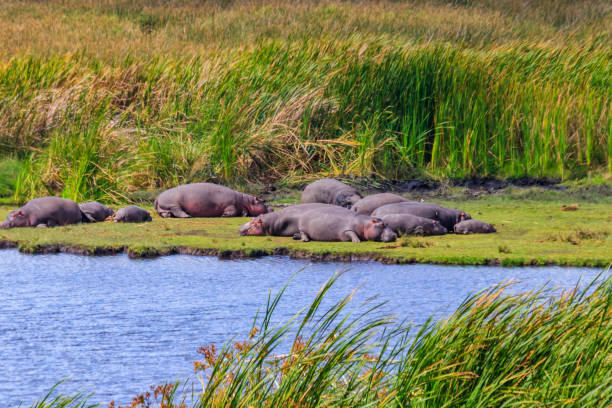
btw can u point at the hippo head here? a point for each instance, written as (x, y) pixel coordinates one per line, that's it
(375, 230)
(253, 227)
(347, 199)
(256, 206)
(388, 235)
(490, 228)
(16, 218)
(108, 212)
(438, 229)
(464, 216)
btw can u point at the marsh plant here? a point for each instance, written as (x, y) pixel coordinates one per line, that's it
(267, 90)
(498, 348)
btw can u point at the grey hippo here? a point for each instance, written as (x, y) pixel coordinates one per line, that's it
(207, 200)
(132, 213)
(474, 227)
(330, 191)
(448, 217)
(324, 225)
(93, 211)
(44, 212)
(283, 223)
(369, 203)
(408, 224)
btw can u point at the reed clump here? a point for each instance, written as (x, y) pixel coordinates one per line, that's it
(274, 91)
(498, 349)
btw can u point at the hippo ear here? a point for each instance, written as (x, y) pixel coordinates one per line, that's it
(20, 213)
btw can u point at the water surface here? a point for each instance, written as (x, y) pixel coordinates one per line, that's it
(115, 326)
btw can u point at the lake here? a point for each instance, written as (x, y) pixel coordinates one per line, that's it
(116, 326)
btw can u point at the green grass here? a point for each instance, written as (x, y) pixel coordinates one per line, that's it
(496, 350)
(244, 92)
(529, 233)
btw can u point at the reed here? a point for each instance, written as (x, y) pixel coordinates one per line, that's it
(497, 349)
(272, 91)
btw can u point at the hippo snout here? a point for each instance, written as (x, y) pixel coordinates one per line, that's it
(388, 235)
(244, 228)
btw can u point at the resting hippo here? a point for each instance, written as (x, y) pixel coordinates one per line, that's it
(474, 227)
(323, 225)
(368, 204)
(207, 200)
(93, 211)
(448, 217)
(330, 191)
(132, 213)
(44, 212)
(413, 225)
(284, 223)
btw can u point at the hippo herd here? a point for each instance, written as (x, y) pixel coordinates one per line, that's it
(329, 211)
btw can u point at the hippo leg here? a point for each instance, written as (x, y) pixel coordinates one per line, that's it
(304, 236)
(297, 236)
(350, 236)
(177, 212)
(230, 211)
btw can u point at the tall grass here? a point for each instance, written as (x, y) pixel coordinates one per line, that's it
(268, 91)
(498, 349)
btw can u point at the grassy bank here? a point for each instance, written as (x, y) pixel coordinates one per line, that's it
(277, 91)
(498, 349)
(529, 232)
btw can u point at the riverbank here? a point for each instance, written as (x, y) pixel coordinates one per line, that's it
(530, 232)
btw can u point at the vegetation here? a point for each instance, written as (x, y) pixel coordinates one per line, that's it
(99, 99)
(529, 233)
(498, 349)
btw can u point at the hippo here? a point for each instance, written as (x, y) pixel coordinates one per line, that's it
(284, 223)
(448, 217)
(207, 200)
(330, 191)
(323, 225)
(132, 213)
(93, 211)
(44, 212)
(369, 203)
(413, 225)
(474, 227)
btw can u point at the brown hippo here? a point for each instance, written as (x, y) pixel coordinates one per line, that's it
(448, 217)
(283, 223)
(330, 191)
(44, 212)
(207, 200)
(132, 213)
(369, 203)
(321, 224)
(408, 224)
(474, 227)
(93, 211)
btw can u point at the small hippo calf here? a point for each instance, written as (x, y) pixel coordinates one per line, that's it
(44, 212)
(132, 213)
(330, 191)
(408, 224)
(369, 203)
(324, 225)
(474, 227)
(93, 211)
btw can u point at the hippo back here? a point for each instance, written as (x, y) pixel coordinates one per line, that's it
(369, 203)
